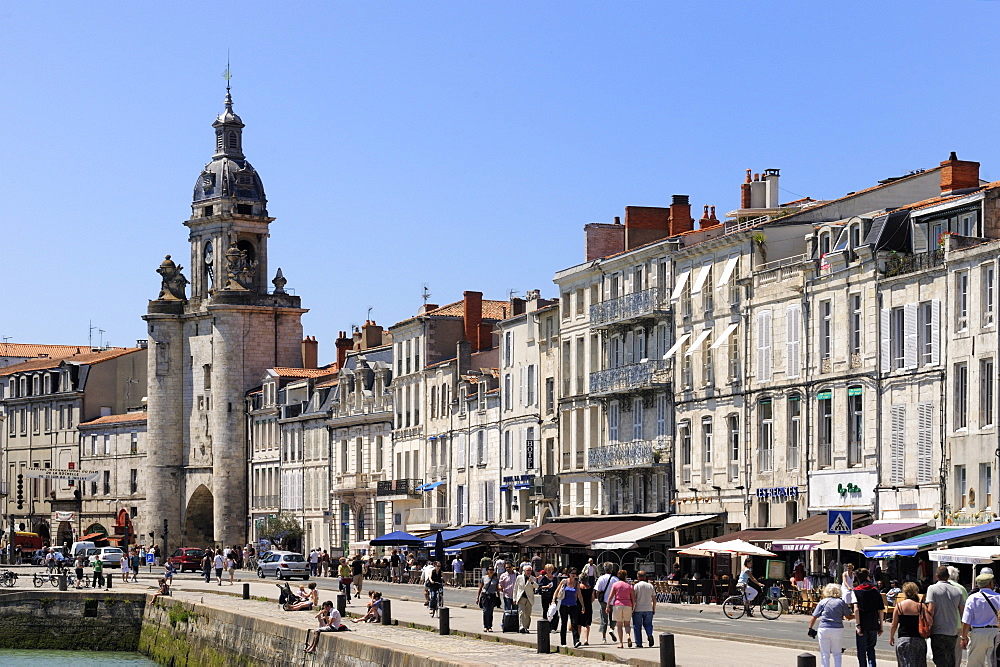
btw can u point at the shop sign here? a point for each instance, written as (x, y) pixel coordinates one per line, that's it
(854, 391)
(778, 493)
(63, 516)
(844, 489)
(518, 481)
(824, 395)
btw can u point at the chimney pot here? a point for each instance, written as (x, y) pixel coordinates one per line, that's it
(310, 352)
(958, 174)
(618, 220)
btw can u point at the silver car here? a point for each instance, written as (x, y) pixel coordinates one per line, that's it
(283, 565)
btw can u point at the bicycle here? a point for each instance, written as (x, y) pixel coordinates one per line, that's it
(736, 606)
(39, 579)
(435, 598)
(8, 578)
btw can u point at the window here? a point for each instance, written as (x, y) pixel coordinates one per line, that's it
(793, 325)
(107, 482)
(133, 481)
(531, 385)
(686, 298)
(856, 323)
(637, 419)
(825, 408)
(107, 445)
(708, 367)
(734, 357)
(794, 431)
(764, 346)
(579, 301)
(134, 443)
(765, 451)
(987, 384)
(481, 447)
(661, 415)
(967, 225)
(550, 394)
(989, 294)
(986, 484)
(687, 372)
(733, 430)
(961, 396)
(927, 334)
(961, 487)
(706, 448)
(708, 293)
(826, 329)
(961, 300)
(614, 411)
(855, 425)
(684, 431)
(507, 460)
(233, 141)
(508, 348)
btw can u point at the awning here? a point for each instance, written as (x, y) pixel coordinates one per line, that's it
(628, 539)
(699, 339)
(90, 537)
(889, 527)
(966, 555)
(679, 287)
(794, 545)
(699, 282)
(677, 346)
(584, 531)
(455, 548)
(453, 534)
(727, 272)
(724, 336)
(430, 486)
(933, 538)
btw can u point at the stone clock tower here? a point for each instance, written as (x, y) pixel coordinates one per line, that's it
(208, 349)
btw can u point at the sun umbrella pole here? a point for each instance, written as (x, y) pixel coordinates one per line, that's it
(840, 567)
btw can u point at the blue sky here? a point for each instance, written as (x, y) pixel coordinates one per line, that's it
(461, 144)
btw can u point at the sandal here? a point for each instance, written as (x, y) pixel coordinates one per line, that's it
(630, 642)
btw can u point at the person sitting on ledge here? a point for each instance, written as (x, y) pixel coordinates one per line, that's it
(163, 590)
(306, 601)
(374, 614)
(329, 621)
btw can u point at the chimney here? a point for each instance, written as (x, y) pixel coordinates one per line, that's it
(645, 224)
(371, 335)
(758, 192)
(958, 174)
(310, 352)
(516, 306)
(771, 187)
(426, 308)
(602, 239)
(705, 220)
(745, 200)
(680, 215)
(463, 354)
(343, 344)
(472, 317)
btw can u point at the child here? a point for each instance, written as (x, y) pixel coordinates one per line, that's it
(329, 621)
(306, 601)
(163, 590)
(374, 613)
(168, 573)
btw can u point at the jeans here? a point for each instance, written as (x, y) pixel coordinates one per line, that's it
(640, 620)
(943, 647)
(570, 615)
(830, 642)
(865, 643)
(508, 603)
(487, 602)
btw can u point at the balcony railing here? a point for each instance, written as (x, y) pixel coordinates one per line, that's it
(420, 515)
(265, 501)
(624, 455)
(398, 487)
(649, 375)
(629, 307)
(898, 265)
(353, 482)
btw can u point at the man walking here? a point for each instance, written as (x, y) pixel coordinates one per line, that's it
(643, 608)
(601, 590)
(394, 566)
(458, 568)
(945, 602)
(589, 574)
(953, 580)
(869, 610)
(979, 622)
(220, 565)
(507, 582)
(524, 597)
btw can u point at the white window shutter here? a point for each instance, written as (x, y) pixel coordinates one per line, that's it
(489, 501)
(792, 326)
(522, 388)
(935, 331)
(898, 443)
(629, 342)
(925, 441)
(885, 347)
(910, 341)
(764, 346)
(460, 452)
(482, 501)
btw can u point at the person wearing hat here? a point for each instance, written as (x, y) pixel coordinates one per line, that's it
(979, 621)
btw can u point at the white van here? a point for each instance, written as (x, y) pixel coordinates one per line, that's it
(80, 546)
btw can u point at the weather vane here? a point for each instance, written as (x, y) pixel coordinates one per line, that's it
(227, 74)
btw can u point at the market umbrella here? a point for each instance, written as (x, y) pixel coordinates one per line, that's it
(397, 538)
(743, 547)
(709, 548)
(439, 553)
(493, 538)
(854, 542)
(548, 538)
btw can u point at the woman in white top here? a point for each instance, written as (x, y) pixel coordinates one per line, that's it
(124, 564)
(848, 584)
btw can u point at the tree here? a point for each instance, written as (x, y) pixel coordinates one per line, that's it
(281, 528)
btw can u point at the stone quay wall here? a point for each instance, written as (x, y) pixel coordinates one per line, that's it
(87, 621)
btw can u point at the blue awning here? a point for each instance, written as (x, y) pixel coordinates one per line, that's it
(429, 487)
(453, 534)
(930, 539)
(455, 548)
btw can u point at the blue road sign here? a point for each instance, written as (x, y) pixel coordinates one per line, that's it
(149, 558)
(839, 522)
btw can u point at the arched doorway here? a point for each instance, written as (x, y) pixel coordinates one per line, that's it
(101, 533)
(199, 522)
(65, 533)
(42, 528)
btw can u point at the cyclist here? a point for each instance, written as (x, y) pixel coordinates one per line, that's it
(435, 585)
(749, 592)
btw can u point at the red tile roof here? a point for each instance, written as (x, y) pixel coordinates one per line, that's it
(304, 372)
(87, 357)
(127, 418)
(29, 350)
(492, 310)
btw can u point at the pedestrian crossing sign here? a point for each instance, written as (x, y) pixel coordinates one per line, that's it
(839, 522)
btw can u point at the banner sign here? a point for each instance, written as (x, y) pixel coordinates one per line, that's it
(60, 473)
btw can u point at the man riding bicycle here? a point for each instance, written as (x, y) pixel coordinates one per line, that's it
(749, 592)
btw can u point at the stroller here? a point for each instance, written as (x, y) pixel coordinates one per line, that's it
(285, 596)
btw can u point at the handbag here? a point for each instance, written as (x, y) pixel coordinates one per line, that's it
(552, 612)
(925, 621)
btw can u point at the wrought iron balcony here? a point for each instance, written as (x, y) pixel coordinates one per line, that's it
(651, 374)
(629, 308)
(898, 265)
(398, 487)
(625, 455)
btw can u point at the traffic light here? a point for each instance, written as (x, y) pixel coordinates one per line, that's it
(20, 492)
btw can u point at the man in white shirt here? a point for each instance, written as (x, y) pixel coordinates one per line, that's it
(589, 573)
(220, 564)
(644, 608)
(601, 590)
(524, 597)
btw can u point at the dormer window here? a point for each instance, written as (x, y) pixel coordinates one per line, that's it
(209, 211)
(233, 140)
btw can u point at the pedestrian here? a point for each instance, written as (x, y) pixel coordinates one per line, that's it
(621, 598)
(869, 611)
(643, 608)
(220, 564)
(547, 588)
(911, 649)
(358, 574)
(394, 564)
(169, 570)
(324, 563)
(586, 617)
(207, 559)
(156, 555)
(953, 576)
(979, 621)
(458, 568)
(135, 562)
(567, 597)
(524, 597)
(98, 566)
(486, 597)
(81, 562)
(946, 604)
(231, 566)
(507, 580)
(601, 590)
(831, 612)
(344, 572)
(590, 573)
(847, 584)
(313, 562)
(123, 564)
(536, 563)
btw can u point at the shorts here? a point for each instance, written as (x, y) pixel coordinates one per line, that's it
(621, 613)
(358, 578)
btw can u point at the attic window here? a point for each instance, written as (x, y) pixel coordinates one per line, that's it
(233, 141)
(244, 209)
(218, 141)
(208, 211)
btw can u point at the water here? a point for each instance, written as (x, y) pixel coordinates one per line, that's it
(18, 658)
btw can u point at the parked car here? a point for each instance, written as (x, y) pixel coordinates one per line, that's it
(283, 565)
(110, 556)
(187, 558)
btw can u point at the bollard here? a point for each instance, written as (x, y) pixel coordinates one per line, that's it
(246, 591)
(805, 660)
(386, 612)
(62, 582)
(107, 582)
(667, 656)
(342, 604)
(542, 630)
(445, 615)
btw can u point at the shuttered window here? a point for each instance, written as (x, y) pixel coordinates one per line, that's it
(764, 346)
(613, 414)
(910, 336)
(925, 441)
(897, 443)
(793, 325)
(885, 346)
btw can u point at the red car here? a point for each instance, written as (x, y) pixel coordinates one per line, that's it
(187, 558)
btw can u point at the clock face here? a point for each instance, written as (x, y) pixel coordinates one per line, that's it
(209, 254)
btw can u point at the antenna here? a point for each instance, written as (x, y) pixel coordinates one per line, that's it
(511, 293)
(6, 338)
(100, 341)
(426, 295)
(90, 334)
(368, 317)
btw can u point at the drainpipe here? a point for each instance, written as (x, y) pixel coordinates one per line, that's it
(879, 302)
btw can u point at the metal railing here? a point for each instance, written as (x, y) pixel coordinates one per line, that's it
(646, 375)
(398, 487)
(427, 515)
(354, 481)
(622, 455)
(732, 227)
(265, 501)
(899, 265)
(628, 307)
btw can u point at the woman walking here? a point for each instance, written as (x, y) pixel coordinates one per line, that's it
(620, 602)
(206, 565)
(911, 648)
(586, 597)
(847, 581)
(568, 597)
(831, 612)
(487, 597)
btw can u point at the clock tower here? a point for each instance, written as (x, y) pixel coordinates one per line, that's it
(209, 348)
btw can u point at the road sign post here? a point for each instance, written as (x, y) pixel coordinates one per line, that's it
(839, 522)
